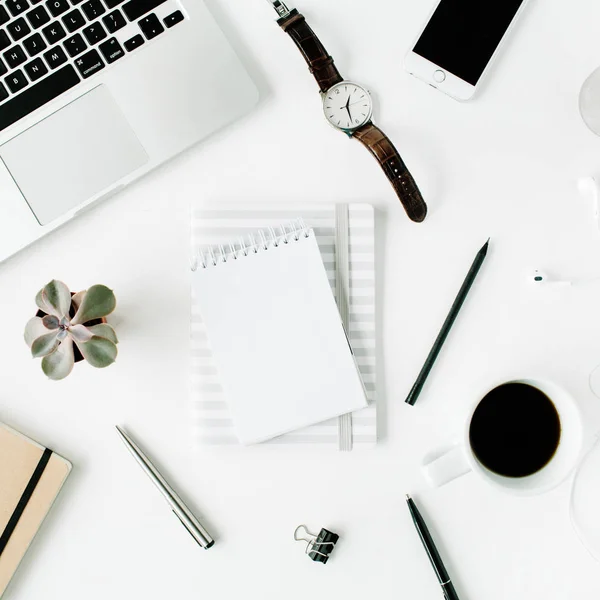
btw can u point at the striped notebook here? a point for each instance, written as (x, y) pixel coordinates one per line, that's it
(346, 238)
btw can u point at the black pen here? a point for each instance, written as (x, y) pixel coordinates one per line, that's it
(434, 556)
(443, 334)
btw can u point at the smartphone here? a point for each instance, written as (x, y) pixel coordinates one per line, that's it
(457, 45)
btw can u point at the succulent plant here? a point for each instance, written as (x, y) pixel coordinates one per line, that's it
(65, 319)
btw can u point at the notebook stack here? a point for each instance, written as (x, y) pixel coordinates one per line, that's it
(263, 370)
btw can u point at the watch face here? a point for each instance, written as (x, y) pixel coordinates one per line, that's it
(347, 106)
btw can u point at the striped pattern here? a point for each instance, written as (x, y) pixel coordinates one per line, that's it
(212, 423)
(342, 294)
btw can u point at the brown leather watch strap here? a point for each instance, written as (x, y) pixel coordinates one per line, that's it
(392, 164)
(319, 62)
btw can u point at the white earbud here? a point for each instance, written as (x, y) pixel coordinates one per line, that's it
(541, 278)
(588, 187)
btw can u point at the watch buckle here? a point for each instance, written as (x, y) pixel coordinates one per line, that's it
(282, 10)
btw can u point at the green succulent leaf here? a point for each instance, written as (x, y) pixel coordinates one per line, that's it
(45, 344)
(104, 330)
(57, 297)
(50, 322)
(41, 304)
(99, 352)
(80, 333)
(60, 363)
(33, 330)
(77, 298)
(98, 302)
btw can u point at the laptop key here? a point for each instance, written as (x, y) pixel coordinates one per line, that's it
(94, 33)
(75, 45)
(3, 69)
(15, 57)
(135, 42)
(16, 81)
(57, 7)
(54, 32)
(3, 93)
(134, 9)
(36, 69)
(4, 18)
(18, 29)
(173, 18)
(38, 16)
(93, 9)
(4, 40)
(55, 57)
(113, 3)
(37, 95)
(111, 50)
(34, 44)
(73, 21)
(114, 21)
(89, 63)
(16, 7)
(151, 26)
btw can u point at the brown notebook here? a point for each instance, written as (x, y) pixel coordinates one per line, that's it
(31, 477)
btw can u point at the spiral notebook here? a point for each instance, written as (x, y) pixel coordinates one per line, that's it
(276, 334)
(345, 235)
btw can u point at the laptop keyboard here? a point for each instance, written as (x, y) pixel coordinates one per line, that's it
(48, 47)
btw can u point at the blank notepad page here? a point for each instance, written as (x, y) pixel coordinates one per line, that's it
(277, 337)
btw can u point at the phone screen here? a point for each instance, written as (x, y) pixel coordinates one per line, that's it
(462, 35)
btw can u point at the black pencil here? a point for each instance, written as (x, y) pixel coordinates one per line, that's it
(443, 334)
(432, 553)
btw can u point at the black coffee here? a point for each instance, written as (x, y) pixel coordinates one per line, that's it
(515, 430)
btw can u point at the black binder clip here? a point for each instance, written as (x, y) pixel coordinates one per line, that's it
(318, 547)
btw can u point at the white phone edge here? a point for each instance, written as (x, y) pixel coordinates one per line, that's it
(452, 86)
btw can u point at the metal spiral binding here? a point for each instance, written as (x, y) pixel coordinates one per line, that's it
(253, 243)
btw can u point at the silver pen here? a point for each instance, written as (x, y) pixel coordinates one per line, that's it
(183, 513)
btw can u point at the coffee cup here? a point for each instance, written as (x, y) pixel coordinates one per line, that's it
(523, 436)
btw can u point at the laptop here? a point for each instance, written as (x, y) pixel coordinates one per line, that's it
(96, 93)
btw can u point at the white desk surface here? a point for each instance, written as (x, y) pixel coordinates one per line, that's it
(503, 165)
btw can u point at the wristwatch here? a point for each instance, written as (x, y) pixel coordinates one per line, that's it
(348, 107)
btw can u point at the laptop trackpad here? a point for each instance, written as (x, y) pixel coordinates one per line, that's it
(73, 155)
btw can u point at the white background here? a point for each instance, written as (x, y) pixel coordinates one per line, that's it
(503, 165)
